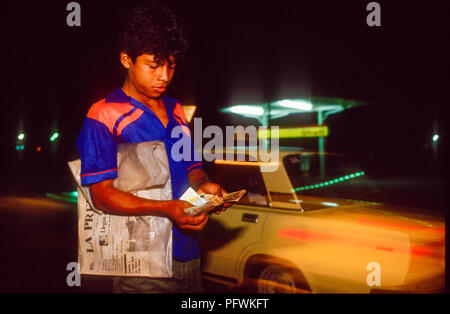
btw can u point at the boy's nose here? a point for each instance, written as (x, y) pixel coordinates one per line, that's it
(164, 73)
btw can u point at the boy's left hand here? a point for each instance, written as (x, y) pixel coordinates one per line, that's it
(215, 189)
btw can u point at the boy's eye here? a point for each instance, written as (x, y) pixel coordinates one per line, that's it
(155, 66)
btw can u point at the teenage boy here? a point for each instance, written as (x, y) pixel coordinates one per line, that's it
(151, 42)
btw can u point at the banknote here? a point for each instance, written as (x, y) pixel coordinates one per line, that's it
(207, 202)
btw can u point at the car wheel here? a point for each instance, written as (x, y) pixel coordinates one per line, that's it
(276, 279)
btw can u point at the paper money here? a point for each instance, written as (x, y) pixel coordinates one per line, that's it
(207, 202)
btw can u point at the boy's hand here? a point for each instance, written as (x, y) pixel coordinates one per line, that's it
(215, 189)
(184, 221)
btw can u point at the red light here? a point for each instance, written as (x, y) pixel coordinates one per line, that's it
(299, 234)
(385, 248)
(434, 249)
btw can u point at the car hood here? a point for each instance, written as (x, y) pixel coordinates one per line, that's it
(419, 225)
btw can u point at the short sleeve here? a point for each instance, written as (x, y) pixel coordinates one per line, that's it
(98, 152)
(195, 160)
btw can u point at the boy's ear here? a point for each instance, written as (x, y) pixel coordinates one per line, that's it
(125, 60)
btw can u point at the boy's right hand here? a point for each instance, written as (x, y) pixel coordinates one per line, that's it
(179, 218)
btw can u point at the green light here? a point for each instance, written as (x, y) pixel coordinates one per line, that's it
(61, 198)
(298, 104)
(299, 132)
(54, 136)
(73, 194)
(20, 147)
(435, 137)
(21, 136)
(248, 110)
(285, 107)
(330, 182)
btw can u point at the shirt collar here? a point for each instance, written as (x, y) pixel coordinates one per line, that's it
(119, 96)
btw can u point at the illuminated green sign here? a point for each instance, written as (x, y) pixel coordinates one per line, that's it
(298, 132)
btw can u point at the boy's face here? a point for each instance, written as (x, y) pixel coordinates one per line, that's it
(149, 75)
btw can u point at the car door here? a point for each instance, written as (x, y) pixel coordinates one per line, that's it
(226, 237)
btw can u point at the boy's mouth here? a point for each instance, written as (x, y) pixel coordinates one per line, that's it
(160, 89)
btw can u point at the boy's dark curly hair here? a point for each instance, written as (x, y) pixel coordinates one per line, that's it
(152, 29)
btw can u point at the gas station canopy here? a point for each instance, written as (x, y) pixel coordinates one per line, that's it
(281, 108)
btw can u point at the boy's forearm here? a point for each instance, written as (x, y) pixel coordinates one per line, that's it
(116, 202)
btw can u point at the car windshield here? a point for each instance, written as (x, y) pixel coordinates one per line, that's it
(327, 176)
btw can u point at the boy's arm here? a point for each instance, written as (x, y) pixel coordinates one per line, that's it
(116, 202)
(198, 180)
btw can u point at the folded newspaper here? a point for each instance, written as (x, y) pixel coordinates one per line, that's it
(207, 202)
(137, 246)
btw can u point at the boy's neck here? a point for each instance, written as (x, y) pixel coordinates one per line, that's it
(131, 91)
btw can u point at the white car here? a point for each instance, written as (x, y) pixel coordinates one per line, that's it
(304, 228)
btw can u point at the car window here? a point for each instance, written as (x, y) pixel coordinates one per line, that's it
(237, 177)
(335, 176)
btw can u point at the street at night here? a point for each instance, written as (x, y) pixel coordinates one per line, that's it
(40, 233)
(356, 105)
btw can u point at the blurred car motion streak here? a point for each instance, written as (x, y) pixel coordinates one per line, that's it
(310, 227)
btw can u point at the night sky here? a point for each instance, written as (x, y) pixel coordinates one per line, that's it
(241, 52)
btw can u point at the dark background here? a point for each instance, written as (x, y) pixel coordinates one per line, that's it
(241, 52)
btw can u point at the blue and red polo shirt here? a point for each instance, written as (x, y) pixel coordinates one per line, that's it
(119, 118)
